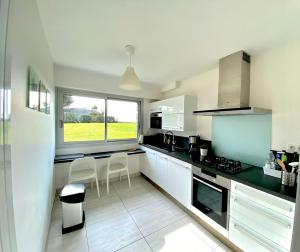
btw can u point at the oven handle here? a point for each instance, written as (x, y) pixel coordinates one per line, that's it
(211, 186)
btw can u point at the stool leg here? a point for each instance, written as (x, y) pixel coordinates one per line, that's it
(97, 188)
(107, 183)
(128, 178)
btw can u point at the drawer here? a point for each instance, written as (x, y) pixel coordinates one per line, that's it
(277, 227)
(267, 200)
(249, 240)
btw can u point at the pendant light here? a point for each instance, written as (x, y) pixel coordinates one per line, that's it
(129, 80)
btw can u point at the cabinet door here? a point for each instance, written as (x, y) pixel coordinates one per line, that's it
(161, 171)
(173, 121)
(173, 105)
(150, 163)
(180, 188)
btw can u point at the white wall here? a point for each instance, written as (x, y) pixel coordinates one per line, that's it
(274, 82)
(205, 87)
(32, 132)
(69, 77)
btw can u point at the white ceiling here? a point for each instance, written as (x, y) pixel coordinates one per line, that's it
(174, 38)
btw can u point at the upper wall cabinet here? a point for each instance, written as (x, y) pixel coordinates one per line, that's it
(177, 113)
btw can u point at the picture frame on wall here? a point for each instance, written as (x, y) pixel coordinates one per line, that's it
(33, 90)
(48, 101)
(42, 98)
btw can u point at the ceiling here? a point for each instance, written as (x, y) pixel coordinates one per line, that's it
(174, 39)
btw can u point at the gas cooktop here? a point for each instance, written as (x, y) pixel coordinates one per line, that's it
(225, 165)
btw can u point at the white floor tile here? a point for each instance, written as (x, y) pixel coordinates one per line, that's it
(156, 216)
(55, 228)
(71, 242)
(138, 246)
(176, 237)
(112, 234)
(199, 230)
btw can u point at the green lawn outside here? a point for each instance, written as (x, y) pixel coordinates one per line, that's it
(76, 132)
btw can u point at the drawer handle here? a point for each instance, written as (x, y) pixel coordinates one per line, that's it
(260, 240)
(287, 208)
(263, 211)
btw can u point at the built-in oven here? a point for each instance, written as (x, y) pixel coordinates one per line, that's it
(210, 195)
(155, 120)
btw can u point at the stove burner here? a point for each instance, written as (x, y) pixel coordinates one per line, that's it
(225, 165)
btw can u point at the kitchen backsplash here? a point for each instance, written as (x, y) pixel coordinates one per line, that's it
(246, 138)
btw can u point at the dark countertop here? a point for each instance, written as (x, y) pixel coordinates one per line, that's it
(253, 177)
(96, 155)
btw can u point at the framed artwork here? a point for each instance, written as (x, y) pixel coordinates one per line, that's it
(38, 96)
(33, 90)
(43, 98)
(48, 101)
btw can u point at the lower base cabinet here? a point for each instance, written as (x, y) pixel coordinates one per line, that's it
(171, 174)
(259, 221)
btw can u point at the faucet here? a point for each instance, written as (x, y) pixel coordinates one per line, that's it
(165, 137)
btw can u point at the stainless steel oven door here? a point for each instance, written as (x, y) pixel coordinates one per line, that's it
(155, 120)
(211, 199)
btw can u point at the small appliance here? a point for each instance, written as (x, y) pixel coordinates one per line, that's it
(155, 120)
(194, 146)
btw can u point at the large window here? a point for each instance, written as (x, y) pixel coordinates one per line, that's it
(92, 117)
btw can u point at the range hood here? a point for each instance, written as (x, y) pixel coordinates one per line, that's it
(234, 88)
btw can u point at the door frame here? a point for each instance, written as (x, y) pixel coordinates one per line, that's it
(7, 227)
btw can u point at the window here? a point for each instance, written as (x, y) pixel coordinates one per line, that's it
(83, 118)
(122, 119)
(91, 117)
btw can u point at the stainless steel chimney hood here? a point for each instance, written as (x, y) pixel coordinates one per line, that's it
(234, 88)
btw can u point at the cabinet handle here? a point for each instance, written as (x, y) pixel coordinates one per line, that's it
(286, 208)
(263, 211)
(266, 244)
(201, 181)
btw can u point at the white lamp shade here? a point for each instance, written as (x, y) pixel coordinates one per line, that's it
(129, 80)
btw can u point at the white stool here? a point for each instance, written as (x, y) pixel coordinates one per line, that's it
(120, 166)
(83, 169)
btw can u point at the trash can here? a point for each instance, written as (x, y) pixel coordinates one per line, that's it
(72, 197)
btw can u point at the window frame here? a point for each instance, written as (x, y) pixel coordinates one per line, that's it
(59, 131)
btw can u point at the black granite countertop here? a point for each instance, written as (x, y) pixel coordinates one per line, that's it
(96, 155)
(253, 177)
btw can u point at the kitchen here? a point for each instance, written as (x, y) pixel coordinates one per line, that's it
(211, 136)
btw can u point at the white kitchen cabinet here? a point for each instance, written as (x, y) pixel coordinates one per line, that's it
(260, 220)
(148, 164)
(171, 174)
(174, 121)
(156, 106)
(181, 181)
(162, 170)
(177, 112)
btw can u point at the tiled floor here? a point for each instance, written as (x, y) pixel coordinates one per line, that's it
(139, 219)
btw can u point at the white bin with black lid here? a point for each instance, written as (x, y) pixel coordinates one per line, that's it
(72, 197)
